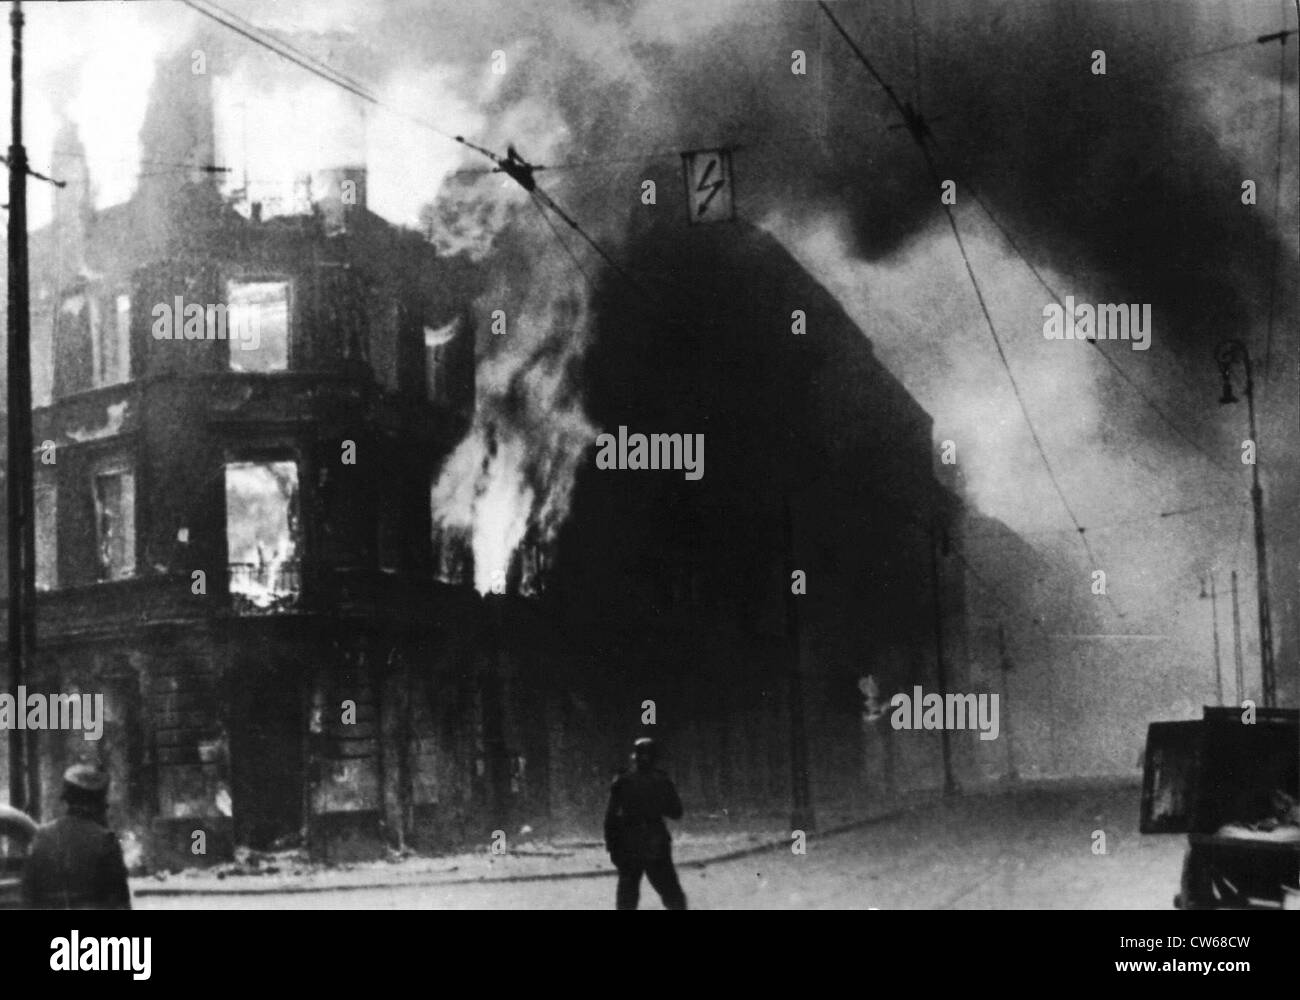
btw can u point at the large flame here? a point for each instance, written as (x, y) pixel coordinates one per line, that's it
(483, 490)
(511, 478)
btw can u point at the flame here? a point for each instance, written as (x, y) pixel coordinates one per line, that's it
(483, 489)
(511, 478)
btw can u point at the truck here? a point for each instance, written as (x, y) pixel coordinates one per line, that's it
(1229, 782)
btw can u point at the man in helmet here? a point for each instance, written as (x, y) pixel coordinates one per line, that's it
(75, 863)
(635, 834)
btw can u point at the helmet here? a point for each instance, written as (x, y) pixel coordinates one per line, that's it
(86, 780)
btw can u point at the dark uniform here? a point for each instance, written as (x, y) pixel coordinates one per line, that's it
(75, 863)
(635, 833)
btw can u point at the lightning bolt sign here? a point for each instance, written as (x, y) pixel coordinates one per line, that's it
(708, 185)
(704, 185)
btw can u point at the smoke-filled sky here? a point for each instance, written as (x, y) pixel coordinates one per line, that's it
(1123, 187)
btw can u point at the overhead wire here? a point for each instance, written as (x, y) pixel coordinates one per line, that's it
(509, 166)
(543, 201)
(917, 126)
(1220, 464)
(1126, 522)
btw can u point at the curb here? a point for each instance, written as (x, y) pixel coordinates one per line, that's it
(161, 891)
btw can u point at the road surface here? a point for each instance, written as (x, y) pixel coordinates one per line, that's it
(1035, 849)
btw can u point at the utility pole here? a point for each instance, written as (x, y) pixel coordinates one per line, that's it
(941, 668)
(801, 808)
(24, 786)
(1236, 642)
(1004, 663)
(1214, 619)
(1226, 354)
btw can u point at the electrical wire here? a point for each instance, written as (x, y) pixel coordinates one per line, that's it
(1220, 464)
(919, 131)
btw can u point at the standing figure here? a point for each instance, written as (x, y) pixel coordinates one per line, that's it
(75, 863)
(635, 833)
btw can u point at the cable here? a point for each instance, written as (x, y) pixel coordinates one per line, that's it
(560, 240)
(266, 32)
(1155, 408)
(255, 35)
(1125, 522)
(207, 167)
(318, 68)
(919, 131)
(1015, 388)
(512, 165)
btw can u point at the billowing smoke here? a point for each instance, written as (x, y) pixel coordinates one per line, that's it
(1122, 187)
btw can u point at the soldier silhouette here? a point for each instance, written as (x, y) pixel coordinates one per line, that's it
(635, 833)
(75, 863)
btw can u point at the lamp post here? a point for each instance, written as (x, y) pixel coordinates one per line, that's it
(1226, 355)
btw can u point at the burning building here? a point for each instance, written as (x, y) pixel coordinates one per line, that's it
(240, 418)
(339, 555)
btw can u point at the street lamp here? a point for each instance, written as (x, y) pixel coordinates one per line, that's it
(1226, 355)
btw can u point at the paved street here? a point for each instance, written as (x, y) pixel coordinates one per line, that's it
(1032, 849)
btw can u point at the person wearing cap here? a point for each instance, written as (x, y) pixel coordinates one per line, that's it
(635, 833)
(75, 863)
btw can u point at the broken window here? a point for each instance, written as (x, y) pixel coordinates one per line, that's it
(47, 516)
(115, 523)
(257, 325)
(262, 532)
(110, 341)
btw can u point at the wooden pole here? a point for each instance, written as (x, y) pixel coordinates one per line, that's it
(24, 781)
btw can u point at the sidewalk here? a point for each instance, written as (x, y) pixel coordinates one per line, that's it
(702, 842)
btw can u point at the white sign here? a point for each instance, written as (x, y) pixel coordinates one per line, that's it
(709, 189)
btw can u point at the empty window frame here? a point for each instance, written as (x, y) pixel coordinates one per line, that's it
(256, 322)
(262, 531)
